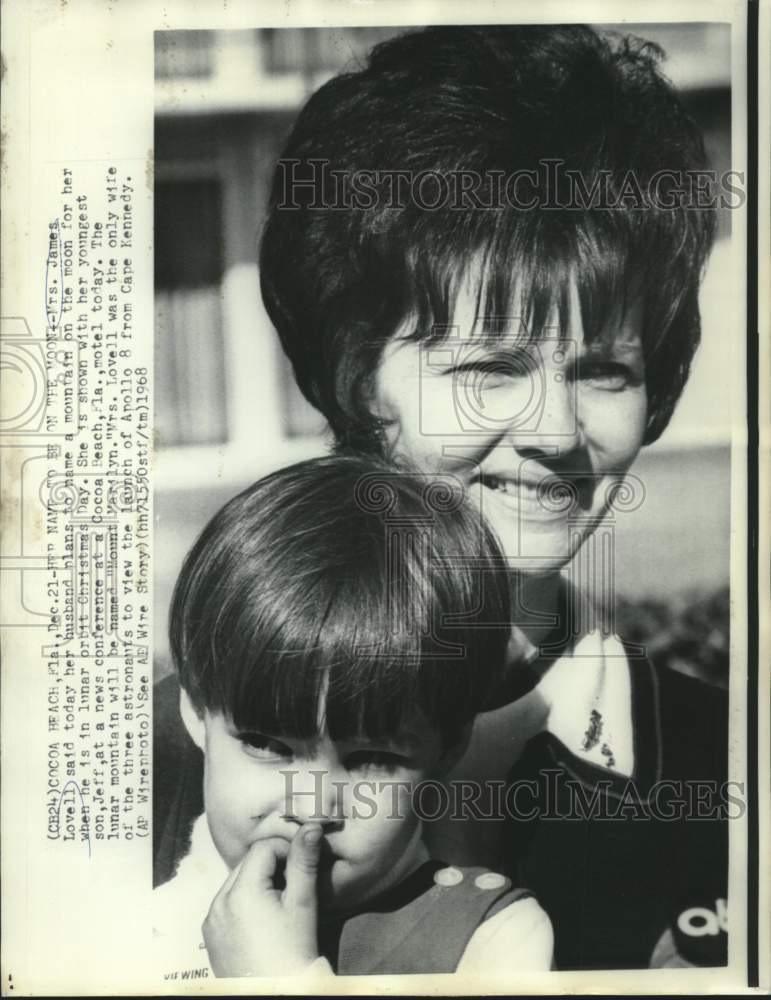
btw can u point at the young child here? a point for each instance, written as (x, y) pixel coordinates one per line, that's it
(335, 629)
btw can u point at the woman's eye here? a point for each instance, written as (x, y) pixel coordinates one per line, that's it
(371, 760)
(487, 367)
(610, 376)
(264, 747)
(486, 374)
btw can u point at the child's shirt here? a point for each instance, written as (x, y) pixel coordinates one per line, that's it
(439, 919)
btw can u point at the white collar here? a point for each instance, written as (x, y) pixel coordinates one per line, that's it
(584, 699)
(589, 702)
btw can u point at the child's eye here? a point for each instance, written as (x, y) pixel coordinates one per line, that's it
(264, 747)
(611, 376)
(370, 760)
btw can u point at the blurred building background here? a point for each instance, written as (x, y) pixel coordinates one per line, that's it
(226, 407)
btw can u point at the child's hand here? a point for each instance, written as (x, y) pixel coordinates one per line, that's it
(255, 929)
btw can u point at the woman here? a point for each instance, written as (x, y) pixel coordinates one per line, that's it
(482, 260)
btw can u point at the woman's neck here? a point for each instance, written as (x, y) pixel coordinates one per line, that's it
(536, 604)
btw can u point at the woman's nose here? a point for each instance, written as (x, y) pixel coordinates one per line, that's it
(552, 424)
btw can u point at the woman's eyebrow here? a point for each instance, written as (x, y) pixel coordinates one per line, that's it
(500, 332)
(490, 348)
(624, 348)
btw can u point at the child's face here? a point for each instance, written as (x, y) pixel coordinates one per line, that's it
(259, 787)
(504, 421)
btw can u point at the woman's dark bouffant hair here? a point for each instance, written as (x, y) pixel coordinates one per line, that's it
(339, 284)
(373, 589)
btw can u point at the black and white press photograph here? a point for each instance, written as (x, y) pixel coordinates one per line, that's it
(444, 375)
(384, 449)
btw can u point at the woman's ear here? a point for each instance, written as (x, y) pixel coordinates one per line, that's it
(194, 723)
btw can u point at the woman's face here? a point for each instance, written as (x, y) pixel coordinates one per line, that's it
(540, 434)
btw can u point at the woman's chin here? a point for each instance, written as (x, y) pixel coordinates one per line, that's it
(536, 555)
(541, 548)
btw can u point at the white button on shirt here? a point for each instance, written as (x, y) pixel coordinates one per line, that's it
(490, 880)
(448, 876)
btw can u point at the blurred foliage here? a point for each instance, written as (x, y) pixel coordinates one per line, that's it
(689, 633)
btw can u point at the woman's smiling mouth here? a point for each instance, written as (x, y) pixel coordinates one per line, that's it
(548, 497)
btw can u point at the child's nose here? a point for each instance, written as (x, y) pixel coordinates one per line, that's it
(315, 796)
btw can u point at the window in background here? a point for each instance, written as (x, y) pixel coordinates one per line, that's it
(188, 54)
(190, 396)
(318, 50)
